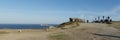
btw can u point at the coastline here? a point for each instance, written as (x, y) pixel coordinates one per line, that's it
(21, 30)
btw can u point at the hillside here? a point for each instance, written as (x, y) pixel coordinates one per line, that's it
(86, 31)
(94, 31)
(115, 24)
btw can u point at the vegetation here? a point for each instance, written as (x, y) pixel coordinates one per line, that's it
(4, 32)
(59, 36)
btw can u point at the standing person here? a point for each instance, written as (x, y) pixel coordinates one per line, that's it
(108, 17)
(87, 21)
(107, 20)
(101, 21)
(103, 17)
(110, 20)
(98, 18)
(71, 20)
(95, 20)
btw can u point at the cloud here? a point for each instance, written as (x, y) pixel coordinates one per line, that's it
(116, 9)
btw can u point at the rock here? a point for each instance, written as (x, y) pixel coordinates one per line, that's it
(76, 20)
(73, 22)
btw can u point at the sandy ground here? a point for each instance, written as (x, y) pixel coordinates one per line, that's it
(95, 31)
(24, 35)
(86, 31)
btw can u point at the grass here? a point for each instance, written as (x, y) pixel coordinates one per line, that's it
(4, 32)
(59, 36)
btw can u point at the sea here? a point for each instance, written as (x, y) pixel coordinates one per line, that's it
(26, 26)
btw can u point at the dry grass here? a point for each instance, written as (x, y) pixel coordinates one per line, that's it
(59, 36)
(4, 32)
(115, 24)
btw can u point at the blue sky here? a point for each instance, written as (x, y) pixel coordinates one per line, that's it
(55, 11)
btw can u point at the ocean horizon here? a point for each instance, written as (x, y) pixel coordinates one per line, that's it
(26, 26)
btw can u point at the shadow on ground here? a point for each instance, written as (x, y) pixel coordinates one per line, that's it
(106, 35)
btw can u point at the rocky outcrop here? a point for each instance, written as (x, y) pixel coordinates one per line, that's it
(73, 22)
(76, 20)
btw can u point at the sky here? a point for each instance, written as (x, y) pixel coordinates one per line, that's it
(55, 11)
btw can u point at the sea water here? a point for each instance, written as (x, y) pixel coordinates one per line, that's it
(25, 26)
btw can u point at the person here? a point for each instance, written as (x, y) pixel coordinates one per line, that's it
(98, 18)
(110, 20)
(101, 21)
(108, 17)
(103, 17)
(71, 20)
(87, 21)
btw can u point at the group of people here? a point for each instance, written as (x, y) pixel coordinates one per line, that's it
(106, 20)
